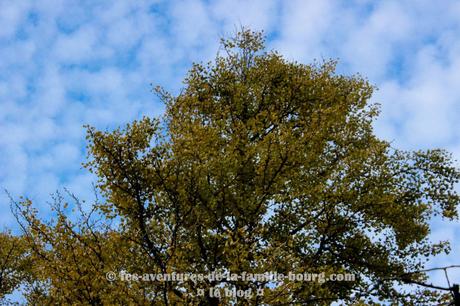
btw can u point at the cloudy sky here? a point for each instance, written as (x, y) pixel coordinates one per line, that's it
(64, 64)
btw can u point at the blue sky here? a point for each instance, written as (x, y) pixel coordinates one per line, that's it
(64, 64)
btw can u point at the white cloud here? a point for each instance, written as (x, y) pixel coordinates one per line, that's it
(192, 23)
(11, 15)
(258, 14)
(304, 28)
(50, 96)
(79, 46)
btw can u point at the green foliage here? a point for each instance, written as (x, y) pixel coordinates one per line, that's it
(258, 165)
(12, 263)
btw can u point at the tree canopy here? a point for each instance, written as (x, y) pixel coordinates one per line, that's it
(258, 165)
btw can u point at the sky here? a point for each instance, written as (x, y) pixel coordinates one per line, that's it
(64, 64)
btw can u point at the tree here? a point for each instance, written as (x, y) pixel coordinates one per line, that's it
(258, 165)
(12, 263)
